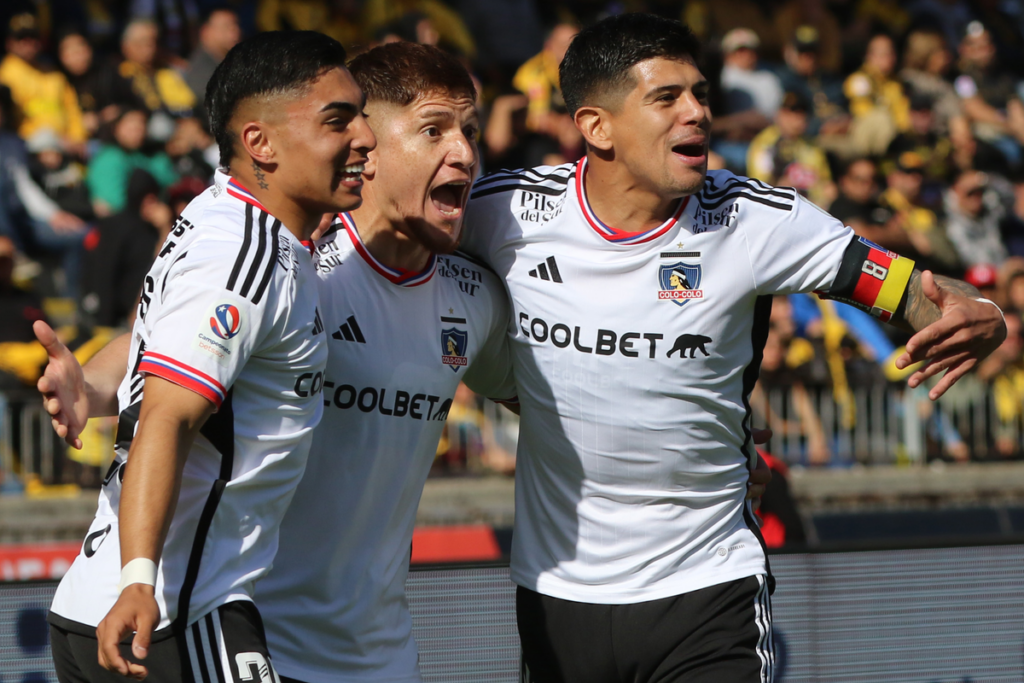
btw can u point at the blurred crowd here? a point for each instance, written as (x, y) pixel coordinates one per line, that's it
(903, 118)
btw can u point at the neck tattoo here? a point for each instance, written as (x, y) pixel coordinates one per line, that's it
(261, 177)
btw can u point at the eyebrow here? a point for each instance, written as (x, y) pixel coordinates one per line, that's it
(674, 88)
(347, 107)
(437, 114)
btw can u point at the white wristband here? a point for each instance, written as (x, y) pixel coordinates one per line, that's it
(139, 570)
(989, 301)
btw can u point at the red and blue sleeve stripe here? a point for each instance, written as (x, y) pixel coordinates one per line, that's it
(174, 371)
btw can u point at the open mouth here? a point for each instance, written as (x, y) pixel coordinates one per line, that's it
(353, 173)
(692, 152)
(450, 199)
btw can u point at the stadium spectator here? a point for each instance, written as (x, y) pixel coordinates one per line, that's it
(713, 18)
(110, 169)
(218, 34)
(786, 366)
(803, 74)
(924, 231)
(77, 63)
(537, 78)
(857, 205)
(43, 94)
(142, 80)
(61, 176)
(879, 107)
(339, 19)
(792, 15)
(974, 211)
(922, 139)
(451, 30)
(950, 17)
(506, 32)
(926, 63)
(783, 149)
(192, 150)
(990, 98)
(750, 98)
(36, 224)
(1004, 370)
(19, 352)
(1011, 278)
(176, 20)
(745, 85)
(119, 251)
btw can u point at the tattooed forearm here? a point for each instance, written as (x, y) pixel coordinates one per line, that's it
(261, 177)
(916, 311)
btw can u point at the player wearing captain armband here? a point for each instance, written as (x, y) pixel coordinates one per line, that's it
(635, 555)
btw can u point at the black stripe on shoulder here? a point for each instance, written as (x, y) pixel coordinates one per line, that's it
(271, 262)
(527, 174)
(334, 227)
(512, 186)
(714, 204)
(257, 260)
(474, 260)
(752, 185)
(246, 243)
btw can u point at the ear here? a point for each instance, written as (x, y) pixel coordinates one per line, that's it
(595, 125)
(256, 142)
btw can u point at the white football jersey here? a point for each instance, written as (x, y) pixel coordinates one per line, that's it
(228, 310)
(400, 342)
(634, 355)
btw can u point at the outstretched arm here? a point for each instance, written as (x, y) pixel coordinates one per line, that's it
(954, 327)
(955, 330)
(71, 394)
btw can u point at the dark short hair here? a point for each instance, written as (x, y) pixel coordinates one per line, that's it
(400, 72)
(272, 63)
(600, 57)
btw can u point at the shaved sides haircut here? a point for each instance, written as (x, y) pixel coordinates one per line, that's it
(596, 68)
(266, 65)
(398, 73)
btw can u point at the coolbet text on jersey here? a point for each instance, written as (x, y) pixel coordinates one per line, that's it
(400, 342)
(634, 355)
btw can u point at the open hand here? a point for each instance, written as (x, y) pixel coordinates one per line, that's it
(968, 331)
(63, 387)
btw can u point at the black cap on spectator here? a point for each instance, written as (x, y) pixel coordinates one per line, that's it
(794, 101)
(23, 26)
(921, 101)
(909, 162)
(806, 39)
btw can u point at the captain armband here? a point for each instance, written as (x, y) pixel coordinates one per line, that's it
(871, 278)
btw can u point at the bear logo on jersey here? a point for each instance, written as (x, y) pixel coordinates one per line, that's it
(453, 347)
(680, 282)
(226, 321)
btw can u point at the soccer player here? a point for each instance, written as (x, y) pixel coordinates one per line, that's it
(635, 555)
(334, 603)
(226, 366)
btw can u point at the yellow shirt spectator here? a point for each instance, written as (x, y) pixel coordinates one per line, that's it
(46, 99)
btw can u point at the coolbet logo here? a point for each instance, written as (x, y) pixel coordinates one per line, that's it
(680, 282)
(453, 348)
(226, 321)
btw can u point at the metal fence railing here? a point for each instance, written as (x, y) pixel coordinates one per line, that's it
(29, 450)
(881, 425)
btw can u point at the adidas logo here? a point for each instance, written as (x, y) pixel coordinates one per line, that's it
(350, 331)
(547, 270)
(318, 324)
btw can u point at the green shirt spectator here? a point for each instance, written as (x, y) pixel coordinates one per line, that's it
(110, 169)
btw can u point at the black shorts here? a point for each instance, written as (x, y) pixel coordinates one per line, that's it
(716, 634)
(212, 650)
